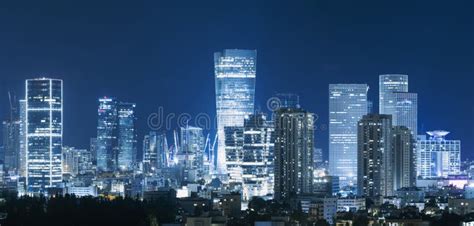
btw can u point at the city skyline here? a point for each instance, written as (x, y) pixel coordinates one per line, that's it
(237, 113)
(325, 46)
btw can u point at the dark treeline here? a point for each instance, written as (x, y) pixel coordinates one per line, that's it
(71, 210)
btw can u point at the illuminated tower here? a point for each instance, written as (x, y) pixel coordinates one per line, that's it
(347, 105)
(44, 132)
(375, 157)
(107, 132)
(294, 142)
(395, 100)
(127, 142)
(235, 73)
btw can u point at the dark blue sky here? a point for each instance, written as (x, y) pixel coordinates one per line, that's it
(161, 54)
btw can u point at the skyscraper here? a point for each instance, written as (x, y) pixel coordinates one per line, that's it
(192, 147)
(107, 132)
(437, 156)
(317, 157)
(44, 130)
(403, 147)
(154, 152)
(234, 149)
(375, 156)
(235, 73)
(22, 141)
(347, 105)
(127, 149)
(389, 84)
(11, 145)
(294, 142)
(116, 135)
(395, 100)
(257, 159)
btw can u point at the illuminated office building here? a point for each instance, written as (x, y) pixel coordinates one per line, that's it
(437, 156)
(127, 150)
(107, 132)
(192, 148)
(116, 135)
(257, 157)
(154, 152)
(22, 141)
(235, 73)
(347, 104)
(44, 130)
(395, 100)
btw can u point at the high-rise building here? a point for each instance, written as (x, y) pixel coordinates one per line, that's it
(154, 152)
(70, 161)
(395, 100)
(437, 156)
(403, 147)
(294, 142)
(12, 138)
(44, 130)
(375, 157)
(11, 145)
(127, 142)
(22, 141)
(235, 74)
(93, 150)
(389, 84)
(192, 148)
(234, 149)
(77, 161)
(406, 111)
(107, 133)
(116, 135)
(257, 159)
(347, 105)
(318, 157)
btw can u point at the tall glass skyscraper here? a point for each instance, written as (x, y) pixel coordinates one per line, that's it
(154, 152)
(406, 111)
(127, 151)
(116, 135)
(347, 105)
(192, 147)
(22, 142)
(395, 100)
(235, 73)
(44, 132)
(107, 132)
(389, 84)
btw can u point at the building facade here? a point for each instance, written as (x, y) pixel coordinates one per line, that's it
(116, 135)
(395, 100)
(375, 158)
(403, 147)
(44, 131)
(192, 148)
(347, 105)
(127, 140)
(294, 143)
(257, 159)
(235, 74)
(437, 156)
(107, 132)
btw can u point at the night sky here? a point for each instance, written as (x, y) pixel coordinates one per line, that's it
(161, 54)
